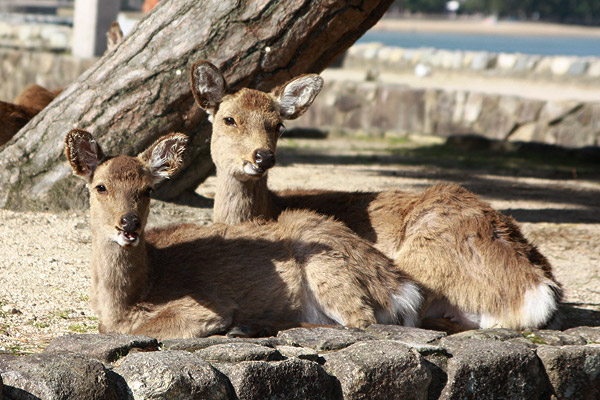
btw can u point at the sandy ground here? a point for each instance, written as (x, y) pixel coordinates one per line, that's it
(44, 258)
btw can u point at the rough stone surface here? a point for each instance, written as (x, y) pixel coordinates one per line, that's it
(324, 339)
(394, 110)
(56, 376)
(237, 352)
(492, 369)
(590, 334)
(194, 344)
(106, 348)
(300, 352)
(379, 370)
(170, 375)
(377, 363)
(403, 334)
(573, 371)
(289, 379)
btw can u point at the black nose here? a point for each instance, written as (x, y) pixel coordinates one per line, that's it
(130, 222)
(265, 159)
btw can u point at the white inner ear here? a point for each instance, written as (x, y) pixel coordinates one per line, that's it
(166, 156)
(88, 154)
(210, 85)
(299, 93)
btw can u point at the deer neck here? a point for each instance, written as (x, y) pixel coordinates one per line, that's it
(238, 201)
(120, 278)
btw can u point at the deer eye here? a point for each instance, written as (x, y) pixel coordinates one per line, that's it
(280, 129)
(101, 189)
(229, 121)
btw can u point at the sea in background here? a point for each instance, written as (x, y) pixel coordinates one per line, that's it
(526, 44)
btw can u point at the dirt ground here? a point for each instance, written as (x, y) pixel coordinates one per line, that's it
(44, 258)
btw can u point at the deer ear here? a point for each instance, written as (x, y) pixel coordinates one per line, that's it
(208, 85)
(297, 95)
(165, 156)
(83, 152)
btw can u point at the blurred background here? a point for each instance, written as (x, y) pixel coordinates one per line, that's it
(511, 71)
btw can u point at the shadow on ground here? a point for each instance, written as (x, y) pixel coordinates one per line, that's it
(496, 170)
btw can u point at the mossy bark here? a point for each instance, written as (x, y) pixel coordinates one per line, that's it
(140, 90)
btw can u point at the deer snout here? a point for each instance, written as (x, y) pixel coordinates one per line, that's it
(264, 159)
(130, 222)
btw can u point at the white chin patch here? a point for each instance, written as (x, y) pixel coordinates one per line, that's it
(127, 239)
(252, 170)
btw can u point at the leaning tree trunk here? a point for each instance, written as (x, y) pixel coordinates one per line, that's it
(140, 90)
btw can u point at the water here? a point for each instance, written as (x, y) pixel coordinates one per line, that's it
(543, 45)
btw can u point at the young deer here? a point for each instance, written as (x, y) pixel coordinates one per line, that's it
(477, 268)
(14, 116)
(188, 280)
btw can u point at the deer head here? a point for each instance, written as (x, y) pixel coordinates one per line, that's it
(248, 123)
(120, 187)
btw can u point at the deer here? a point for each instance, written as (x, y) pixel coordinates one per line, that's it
(34, 98)
(14, 116)
(189, 280)
(476, 268)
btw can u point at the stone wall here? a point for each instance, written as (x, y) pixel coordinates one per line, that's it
(377, 108)
(20, 68)
(378, 56)
(381, 362)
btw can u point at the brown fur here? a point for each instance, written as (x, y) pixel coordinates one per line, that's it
(14, 116)
(474, 261)
(189, 280)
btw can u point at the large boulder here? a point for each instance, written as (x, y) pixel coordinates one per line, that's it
(56, 376)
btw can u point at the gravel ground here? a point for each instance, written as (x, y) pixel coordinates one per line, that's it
(44, 257)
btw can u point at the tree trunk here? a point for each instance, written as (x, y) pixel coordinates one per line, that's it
(140, 90)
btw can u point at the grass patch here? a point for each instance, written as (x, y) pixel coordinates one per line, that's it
(532, 337)
(81, 328)
(39, 324)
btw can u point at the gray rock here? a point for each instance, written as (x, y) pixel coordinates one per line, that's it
(289, 379)
(300, 352)
(590, 334)
(483, 334)
(170, 375)
(574, 371)
(578, 67)
(194, 344)
(324, 339)
(491, 369)
(380, 369)
(237, 352)
(483, 60)
(106, 348)
(56, 376)
(594, 68)
(404, 334)
(553, 338)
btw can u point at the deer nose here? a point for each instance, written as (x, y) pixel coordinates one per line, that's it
(265, 159)
(130, 222)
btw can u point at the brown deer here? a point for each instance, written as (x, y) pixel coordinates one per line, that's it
(474, 263)
(14, 116)
(189, 280)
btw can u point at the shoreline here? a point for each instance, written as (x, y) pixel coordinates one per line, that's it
(485, 26)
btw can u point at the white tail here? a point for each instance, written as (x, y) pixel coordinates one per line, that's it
(478, 269)
(188, 280)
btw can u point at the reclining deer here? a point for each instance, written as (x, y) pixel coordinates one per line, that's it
(474, 263)
(34, 98)
(14, 116)
(189, 280)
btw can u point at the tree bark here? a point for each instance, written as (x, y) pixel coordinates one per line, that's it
(140, 90)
